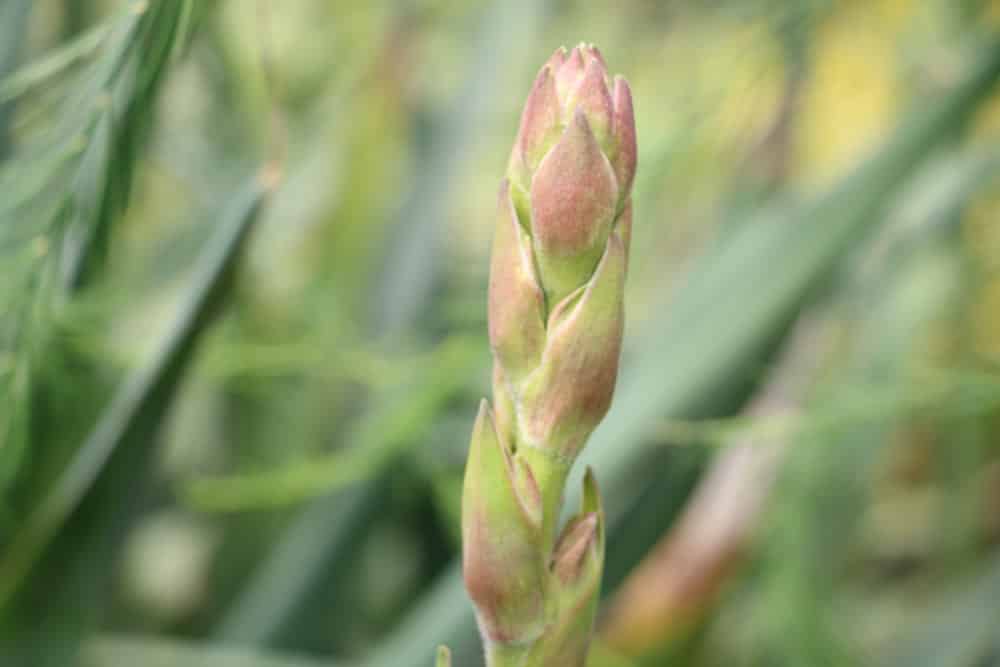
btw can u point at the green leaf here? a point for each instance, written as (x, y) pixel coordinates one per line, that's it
(13, 28)
(45, 581)
(110, 651)
(959, 632)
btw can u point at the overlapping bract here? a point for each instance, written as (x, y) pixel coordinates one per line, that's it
(560, 252)
(556, 316)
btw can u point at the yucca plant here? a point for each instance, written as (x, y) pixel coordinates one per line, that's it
(556, 320)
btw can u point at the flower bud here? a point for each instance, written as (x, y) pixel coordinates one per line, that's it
(501, 539)
(625, 153)
(572, 165)
(574, 197)
(570, 392)
(516, 303)
(577, 566)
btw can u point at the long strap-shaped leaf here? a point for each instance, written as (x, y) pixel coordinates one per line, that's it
(733, 299)
(50, 586)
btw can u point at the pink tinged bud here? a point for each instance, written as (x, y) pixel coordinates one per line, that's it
(574, 546)
(577, 567)
(556, 60)
(593, 98)
(592, 51)
(581, 544)
(516, 303)
(501, 539)
(570, 392)
(574, 198)
(569, 73)
(626, 154)
(540, 120)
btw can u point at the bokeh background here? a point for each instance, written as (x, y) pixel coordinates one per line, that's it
(243, 258)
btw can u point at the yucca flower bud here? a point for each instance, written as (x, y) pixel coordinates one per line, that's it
(503, 564)
(577, 566)
(560, 252)
(556, 315)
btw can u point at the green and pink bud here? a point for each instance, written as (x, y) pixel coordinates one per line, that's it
(577, 567)
(560, 253)
(572, 165)
(503, 564)
(556, 319)
(570, 392)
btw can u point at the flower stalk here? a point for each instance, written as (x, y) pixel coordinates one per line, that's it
(556, 317)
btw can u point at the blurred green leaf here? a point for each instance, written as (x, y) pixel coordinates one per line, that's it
(118, 652)
(97, 492)
(960, 631)
(13, 28)
(53, 63)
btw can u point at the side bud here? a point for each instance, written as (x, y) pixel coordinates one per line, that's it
(626, 152)
(571, 391)
(516, 303)
(502, 539)
(577, 566)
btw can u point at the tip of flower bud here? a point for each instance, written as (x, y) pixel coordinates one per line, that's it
(443, 657)
(596, 54)
(556, 60)
(540, 120)
(569, 73)
(594, 99)
(574, 546)
(626, 153)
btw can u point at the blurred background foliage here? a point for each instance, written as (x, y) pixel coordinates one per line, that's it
(242, 328)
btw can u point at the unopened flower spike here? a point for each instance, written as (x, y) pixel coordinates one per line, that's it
(556, 319)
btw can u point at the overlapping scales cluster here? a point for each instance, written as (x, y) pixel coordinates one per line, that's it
(556, 316)
(559, 256)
